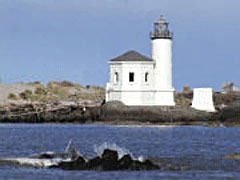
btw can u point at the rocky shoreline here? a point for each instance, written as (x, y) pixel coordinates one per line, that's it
(116, 113)
(67, 102)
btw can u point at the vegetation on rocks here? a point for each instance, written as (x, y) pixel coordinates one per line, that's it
(63, 90)
(226, 98)
(26, 95)
(12, 96)
(70, 102)
(182, 99)
(40, 91)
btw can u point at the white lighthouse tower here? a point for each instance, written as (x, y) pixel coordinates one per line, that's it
(162, 55)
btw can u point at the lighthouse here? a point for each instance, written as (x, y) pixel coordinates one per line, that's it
(137, 80)
(161, 39)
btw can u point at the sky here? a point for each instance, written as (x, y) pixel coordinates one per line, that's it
(55, 40)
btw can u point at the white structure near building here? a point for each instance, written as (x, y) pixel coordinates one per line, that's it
(142, 81)
(203, 99)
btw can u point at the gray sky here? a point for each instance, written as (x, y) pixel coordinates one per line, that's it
(43, 40)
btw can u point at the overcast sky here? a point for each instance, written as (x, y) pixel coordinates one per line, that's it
(44, 40)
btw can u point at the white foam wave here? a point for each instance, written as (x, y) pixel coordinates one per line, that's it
(34, 162)
(113, 146)
(121, 151)
(141, 158)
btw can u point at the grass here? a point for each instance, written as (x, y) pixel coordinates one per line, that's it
(12, 96)
(63, 90)
(26, 95)
(182, 100)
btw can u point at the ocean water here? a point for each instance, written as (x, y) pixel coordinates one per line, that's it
(201, 149)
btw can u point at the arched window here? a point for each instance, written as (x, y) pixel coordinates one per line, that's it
(146, 76)
(116, 78)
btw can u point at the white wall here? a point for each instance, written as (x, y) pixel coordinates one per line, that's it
(203, 99)
(165, 98)
(138, 92)
(138, 68)
(131, 93)
(162, 54)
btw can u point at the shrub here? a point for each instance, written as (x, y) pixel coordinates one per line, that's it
(66, 84)
(35, 83)
(12, 96)
(40, 91)
(27, 94)
(186, 89)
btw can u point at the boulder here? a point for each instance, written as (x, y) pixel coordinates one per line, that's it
(110, 160)
(125, 162)
(107, 162)
(144, 166)
(78, 164)
(95, 164)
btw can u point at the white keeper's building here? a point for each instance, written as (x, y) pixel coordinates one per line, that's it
(137, 80)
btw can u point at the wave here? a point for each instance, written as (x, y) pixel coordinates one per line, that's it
(113, 146)
(121, 151)
(41, 160)
(34, 162)
(48, 159)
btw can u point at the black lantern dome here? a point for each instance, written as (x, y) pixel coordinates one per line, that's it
(161, 30)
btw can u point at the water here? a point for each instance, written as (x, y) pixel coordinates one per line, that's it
(200, 148)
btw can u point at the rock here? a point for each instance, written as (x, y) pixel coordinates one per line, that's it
(95, 164)
(125, 162)
(143, 166)
(231, 113)
(79, 164)
(107, 162)
(110, 160)
(148, 165)
(110, 155)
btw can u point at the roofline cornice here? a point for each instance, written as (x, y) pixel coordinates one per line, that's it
(131, 62)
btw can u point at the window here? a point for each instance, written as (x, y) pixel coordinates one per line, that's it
(116, 78)
(146, 77)
(131, 77)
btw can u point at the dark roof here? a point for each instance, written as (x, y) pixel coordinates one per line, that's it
(131, 56)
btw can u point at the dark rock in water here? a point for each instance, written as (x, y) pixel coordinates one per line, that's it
(148, 165)
(108, 162)
(95, 164)
(79, 164)
(144, 166)
(109, 155)
(125, 162)
(136, 165)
